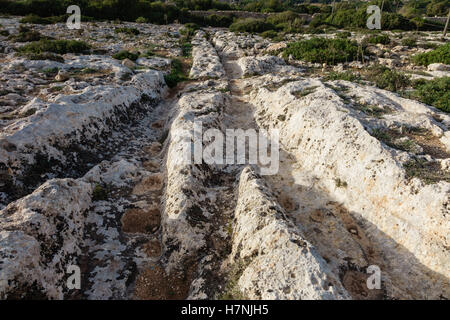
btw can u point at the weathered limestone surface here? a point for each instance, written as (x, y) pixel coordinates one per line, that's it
(39, 238)
(206, 62)
(279, 262)
(330, 139)
(80, 118)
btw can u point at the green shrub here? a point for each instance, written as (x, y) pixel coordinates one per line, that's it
(186, 48)
(438, 55)
(382, 38)
(26, 35)
(435, 92)
(251, 25)
(4, 33)
(124, 54)
(388, 79)
(409, 42)
(346, 75)
(287, 21)
(44, 56)
(130, 31)
(344, 34)
(55, 46)
(99, 193)
(331, 51)
(141, 20)
(269, 34)
(176, 74)
(34, 19)
(189, 29)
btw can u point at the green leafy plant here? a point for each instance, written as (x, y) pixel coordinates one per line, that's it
(435, 92)
(331, 51)
(55, 46)
(388, 79)
(130, 31)
(124, 54)
(438, 55)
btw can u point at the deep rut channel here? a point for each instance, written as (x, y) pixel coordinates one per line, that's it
(326, 224)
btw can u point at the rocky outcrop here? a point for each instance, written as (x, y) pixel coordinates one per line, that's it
(330, 139)
(275, 259)
(40, 237)
(206, 63)
(188, 205)
(60, 130)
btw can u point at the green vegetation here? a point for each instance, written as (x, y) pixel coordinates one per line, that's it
(388, 79)
(141, 20)
(435, 92)
(269, 34)
(186, 48)
(409, 42)
(346, 75)
(438, 55)
(382, 39)
(34, 19)
(287, 21)
(330, 51)
(129, 31)
(341, 15)
(231, 291)
(124, 54)
(55, 46)
(391, 139)
(26, 35)
(251, 25)
(44, 56)
(99, 193)
(425, 7)
(189, 30)
(176, 74)
(427, 171)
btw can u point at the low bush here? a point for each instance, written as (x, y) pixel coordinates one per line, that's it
(124, 54)
(26, 35)
(141, 20)
(34, 19)
(130, 31)
(44, 56)
(189, 30)
(409, 42)
(381, 38)
(55, 46)
(319, 50)
(186, 48)
(435, 92)
(388, 79)
(346, 75)
(344, 35)
(269, 34)
(438, 55)
(176, 74)
(251, 25)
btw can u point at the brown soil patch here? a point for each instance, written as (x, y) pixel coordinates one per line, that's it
(151, 165)
(355, 283)
(287, 203)
(152, 248)
(152, 182)
(154, 284)
(158, 124)
(431, 145)
(141, 221)
(153, 149)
